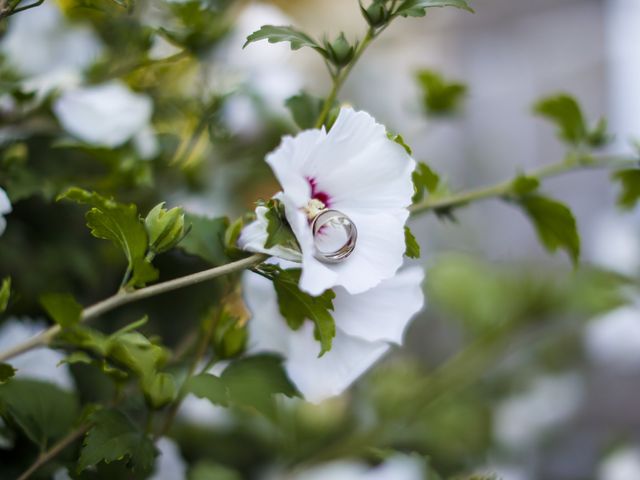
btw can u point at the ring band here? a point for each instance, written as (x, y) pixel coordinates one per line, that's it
(335, 219)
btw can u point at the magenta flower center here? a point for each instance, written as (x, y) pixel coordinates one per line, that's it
(317, 193)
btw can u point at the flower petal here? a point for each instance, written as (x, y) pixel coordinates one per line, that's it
(5, 203)
(319, 378)
(268, 331)
(254, 236)
(292, 166)
(378, 254)
(358, 166)
(383, 312)
(106, 115)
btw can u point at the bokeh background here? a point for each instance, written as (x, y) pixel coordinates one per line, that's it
(547, 385)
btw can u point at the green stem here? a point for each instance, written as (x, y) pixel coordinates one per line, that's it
(506, 188)
(124, 297)
(205, 340)
(55, 450)
(339, 79)
(435, 203)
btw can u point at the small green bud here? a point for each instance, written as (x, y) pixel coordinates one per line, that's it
(376, 15)
(230, 336)
(164, 227)
(340, 52)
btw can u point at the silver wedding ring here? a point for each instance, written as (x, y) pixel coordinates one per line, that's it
(333, 219)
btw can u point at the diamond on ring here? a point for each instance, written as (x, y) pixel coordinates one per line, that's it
(334, 235)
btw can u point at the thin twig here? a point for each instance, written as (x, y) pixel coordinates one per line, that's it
(55, 450)
(122, 298)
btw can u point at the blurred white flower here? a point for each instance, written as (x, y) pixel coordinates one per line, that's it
(622, 464)
(201, 412)
(50, 51)
(365, 326)
(613, 340)
(5, 208)
(505, 472)
(263, 72)
(398, 467)
(169, 463)
(161, 48)
(615, 244)
(107, 115)
(39, 364)
(521, 420)
(355, 169)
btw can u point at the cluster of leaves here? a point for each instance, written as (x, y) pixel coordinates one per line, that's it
(139, 240)
(440, 96)
(340, 52)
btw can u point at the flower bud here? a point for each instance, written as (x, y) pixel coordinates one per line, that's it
(376, 14)
(230, 335)
(340, 52)
(164, 227)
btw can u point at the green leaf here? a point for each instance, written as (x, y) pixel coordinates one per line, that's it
(630, 183)
(565, 112)
(554, 223)
(396, 137)
(76, 357)
(121, 224)
(206, 238)
(599, 136)
(159, 389)
(417, 8)
(253, 381)
(6, 372)
(210, 387)
(43, 411)
(440, 96)
(248, 382)
(207, 470)
(277, 34)
(279, 231)
(305, 109)
(63, 308)
(523, 185)
(5, 293)
(297, 306)
(165, 228)
(134, 351)
(413, 247)
(114, 437)
(424, 179)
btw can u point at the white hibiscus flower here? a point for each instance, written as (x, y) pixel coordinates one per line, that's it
(366, 324)
(50, 51)
(5, 208)
(612, 340)
(354, 169)
(524, 418)
(107, 115)
(169, 464)
(622, 464)
(39, 364)
(263, 74)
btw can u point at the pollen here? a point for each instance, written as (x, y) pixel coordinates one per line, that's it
(313, 208)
